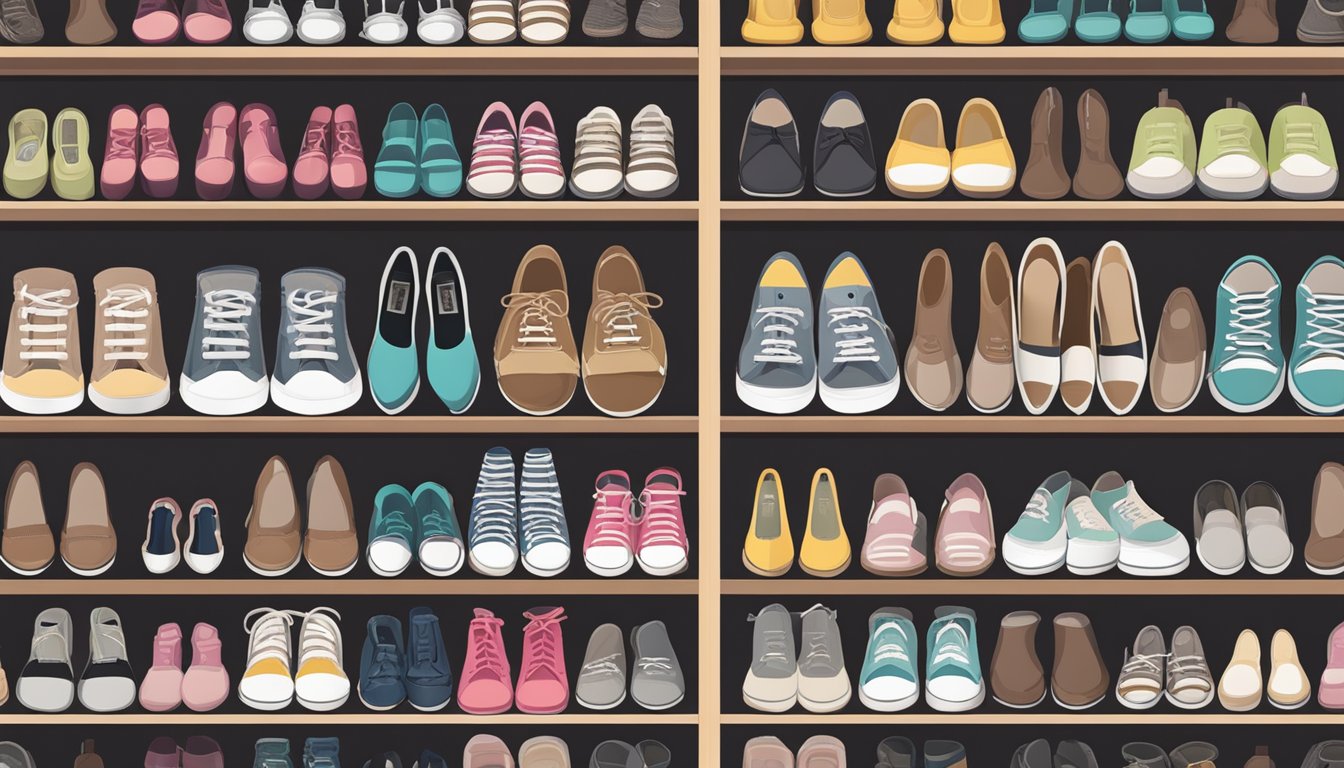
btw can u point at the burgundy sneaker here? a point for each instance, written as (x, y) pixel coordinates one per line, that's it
(215, 165)
(162, 753)
(156, 21)
(543, 686)
(312, 171)
(202, 752)
(349, 174)
(608, 546)
(206, 21)
(662, 548)
(158, 153)
(487, 682)
(121, 158)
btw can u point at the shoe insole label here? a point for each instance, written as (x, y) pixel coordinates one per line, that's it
(398, 297)
(446, 297)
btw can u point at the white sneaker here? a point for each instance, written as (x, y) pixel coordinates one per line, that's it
(321, 22)
(267, 23)
(321, 684)
(267, 684)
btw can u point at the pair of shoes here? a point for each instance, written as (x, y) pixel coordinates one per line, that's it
(1188, 755)
(274, 544)
(816, 752)
(540, 22)
(318, 752)
(139, 145)
(1228, 528)
(825, 550)
(896, 540)
(507, 154)
(47, 682)
(656, 680)
(601, 167)
(331, 155)
(616, 538)
(1047, 21)
(1045, 176)
(619, 754)
(43, 371)
(393, 670)
(624, 357)
(417, 153)
(88, 540)
(1152, 21)
(201, 21)
(163, 550)
(1151, 671)
(1078, 677)
(487, 682)
(920, 22)
(264, 166)
(500, 513)
(440, 24)
(450, 355)
(320, 684)
(164, 752)
(889, 679)
(20, 24)
(320, 22)
(657, 19)
(419, 525)
(1241, 687)
(205, 684)
(981, 165)
(28, 162)
(770, 164)
(777, 677)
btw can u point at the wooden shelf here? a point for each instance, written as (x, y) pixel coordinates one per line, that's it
(459, 209)
(893, 209)
(328, 719)
(206, 585)
(1053, 718)
(386, 425)
(1044, 60)
(1081, 585)
(1229, 424)
(347, 61)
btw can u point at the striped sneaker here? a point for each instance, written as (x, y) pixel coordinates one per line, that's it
(494, 153)
(652, 168)
(492, 531)
(598, 172)
(541, 172)
(492, 21)
(545, 533)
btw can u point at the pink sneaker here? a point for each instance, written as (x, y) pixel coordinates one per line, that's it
(121, 158)
(662, 549)
(964, 542)
(263, 158)
(896, 543)
(349, 174)
(543, 686)
(206, 21)
(158, 153)
(161, 690)
(541, 173)
(1331, 691)
(156, 21)
(312, 171)
(494, 154)
(608, 546)
(206, 684)
(215, 167)
(487, 683)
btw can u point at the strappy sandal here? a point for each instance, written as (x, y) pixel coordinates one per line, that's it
(267, 26)
(543, 22)
(492, 21)
(441, 25)
(385, 27)
(321, 25)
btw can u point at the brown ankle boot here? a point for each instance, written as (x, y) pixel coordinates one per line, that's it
(1045, 177)
(1016, 676)
(1079, 678)
(1097, 178)
(1254, 21)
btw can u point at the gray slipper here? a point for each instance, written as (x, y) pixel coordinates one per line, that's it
(605, 18)
(1322, 22)
(1266, 526)
(659, 19)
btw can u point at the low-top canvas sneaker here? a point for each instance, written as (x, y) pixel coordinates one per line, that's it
(205, 685)
(543, 685)
(391, 531)
(451, 363)
(1316, 368)
(321, 752)
(1162, 165)
(492, 531)
(224, 371)
(1246, 372)
(823, 683)
(315, 368)
(777, 365)
(953, 682)
(772, 679)
(42, 372)
(130, 373)
(487, 681)
(439, 545)
(267, 683)
(1094, 546)
(857, 367)
(1302, 164)
(1037, 543)
(429, 677)
(394, 359)
(608, 545)
(382, 665)
(656, 682)
(662, 548)
(889, 680)
(47, 682)
(601, 681)
(320, 684)
(1149, 545)
(1189, 682)
(272, 753)
(545, 534)
(1233, 158)
(108, 684)
(161, 689)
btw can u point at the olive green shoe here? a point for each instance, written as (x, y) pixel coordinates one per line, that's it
(1162, 165)
(1302, 164)
(72, 176)
(25, 173)
(1233, 162)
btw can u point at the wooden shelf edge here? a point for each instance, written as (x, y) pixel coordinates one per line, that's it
(343, 586)
(1026, 586)
(1230, 424)
(385, 425)
(340, 210)
(1033, 210)
(1053, 718)
(328, 719)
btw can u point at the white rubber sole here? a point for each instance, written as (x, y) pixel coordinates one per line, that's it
(1020, 706)
(161, 564)
(863, 399)
(130, 406)
(1270, 570)
(782, 705)
(878, 705)
(1183, 705)
(600, 707)
(671, 570)
(265, 706)
(610, 572)
(321, 706)
(40, 406)
(306, 407)
(37, 572)
(776, 400)
(99, 571)
(1077, 707)
(815, 707)
(1318, 571)
(1253, 407)
(545, 573)
(487, 571)
(238, 406)
(1169, 570)
(202, 564)
(943, 705)
(1199, 552)
(679, 699)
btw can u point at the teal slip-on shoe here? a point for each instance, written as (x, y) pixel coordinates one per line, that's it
(1096, 22)
(1316, 369)
(440, 163)
(450, 359)
(394, 361)
(1046, 22)
(889, 681)
(1190, 19)
(391, 531)
(396, 172)
(1147, 21)
(439, 545)
(1246, 365)
(1038, 542)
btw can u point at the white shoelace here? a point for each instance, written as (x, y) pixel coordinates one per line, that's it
(1143, 662)
(1325, 317)
(223, 312)
(1134, 510)
(1088, 516)
(610, 519)
(955, 647)
(121, 305)
(1039, 507)
(313, 325)
(320, 636)
(1250, 321)
(46, 304)
(775, 349)
(888, 649)
(268, 635)
(853, 347)
(603, 666)
(659, 523)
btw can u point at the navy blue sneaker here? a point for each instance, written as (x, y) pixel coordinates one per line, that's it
(382, 665)
(324, 752)
(429, 678)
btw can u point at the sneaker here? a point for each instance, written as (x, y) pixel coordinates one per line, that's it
(772, 679)
(429, 678)
(321, 752)
(536, 359)
(451, 364)
(1038, 542)
(624, 354)
(267, 683)
(492, 532)
(545, 534)
(1189, 681)
(777, 365)
(47, 683)
(543, 686)
(493, 173)
(108, 683)
(382, 665)
(543, 751)
(601, 683)
(439, 545)
(272, 753)
(889, 680)
(1143, 673)
(1233, 158)
(162, 550)
(1162, 165)
(1302, 164)
(823, 683)
(656, 681)
(1149, 545)
(483, 751)
(224, 372)
(204, 550)
(42, 371)
(608, 545)
(205, 685)
(130, 374)
(315, 368)
(1316, 369)
(266, 22)
(321, 684)
(858, 371)
(662, 548)
(161, 690)
(541, 171)
(1094, 546)
(487, 682)
(953, 681)
(394, 361)
(391, 531)
(1246, 372)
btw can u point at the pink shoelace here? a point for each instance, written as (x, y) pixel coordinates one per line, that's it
(540, 151)
(661, 523)
(347, 141)
(493, 152)
(611, 517)
(543, 647)
(121, 144)
(314, 139)
(158, 142)
(486, 657)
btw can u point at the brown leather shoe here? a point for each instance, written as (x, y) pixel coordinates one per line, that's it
(331, 544)
(536, 360)
(1324, 552)
(1261, 758)
(27, 546)
(1016, 675)
(1180, 353)
(1078, 363)
(932, 368)
(1045, 177)
(1254, 21)
(1079, 678)
(1096, 177)
(88, 541)
(989, 380)
(273, 545)
(89, 23)
(624, 355)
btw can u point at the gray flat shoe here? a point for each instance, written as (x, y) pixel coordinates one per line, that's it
(1267, 541)
(657, 681)
(108, 683)
(1219, 539)
(601, 681)
(606, 18)
(659, 19)
(47, 683)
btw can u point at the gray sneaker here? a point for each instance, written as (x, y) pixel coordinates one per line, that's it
(108, 683)
(601, 682)
(855, 347)
(772, 680)
(777, 367)
(657, 681)
(1189, 681)
(1322, 22)
(224, 373)
(823, 683)
(659, 19)
(1143, 674)
(47, 683)
(315, 368)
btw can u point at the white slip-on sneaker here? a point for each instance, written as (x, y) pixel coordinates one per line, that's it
(383, 24)
(442, 24)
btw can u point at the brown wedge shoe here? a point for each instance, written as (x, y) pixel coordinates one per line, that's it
(27, 546)
(331, 544)
(536, 360)
(624, 355)
(1045, 177)
(1096, 177)
(274, 545)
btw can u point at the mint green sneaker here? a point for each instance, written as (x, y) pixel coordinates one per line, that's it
(1302, 164)
(1094, 546)
(889, 681)
(953, 681)
(1038, 541)
(1316, 369)
(1162, 164)
(1233, 161)
(1149, 545)
(1246, 371)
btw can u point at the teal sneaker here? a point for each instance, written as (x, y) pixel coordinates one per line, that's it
(1149, 545)
(1147, 21)
(1038, 541)
(391, 531)
(1094, 546)
(440, 162)
(1190, 19)
(889, 681)
(1316, 369)
(1096, 22)
(1247, 366)
(394, 361)
(450, 360)
(438, 538)
(396, 171)
(1047, 21)
(954, 682)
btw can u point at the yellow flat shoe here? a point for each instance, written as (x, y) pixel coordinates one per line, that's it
(825, 551)
(769, 547)
(916, 22)
(772, 22)
(840, 22)
(918, 164)
(976, 22)
(982, 163)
